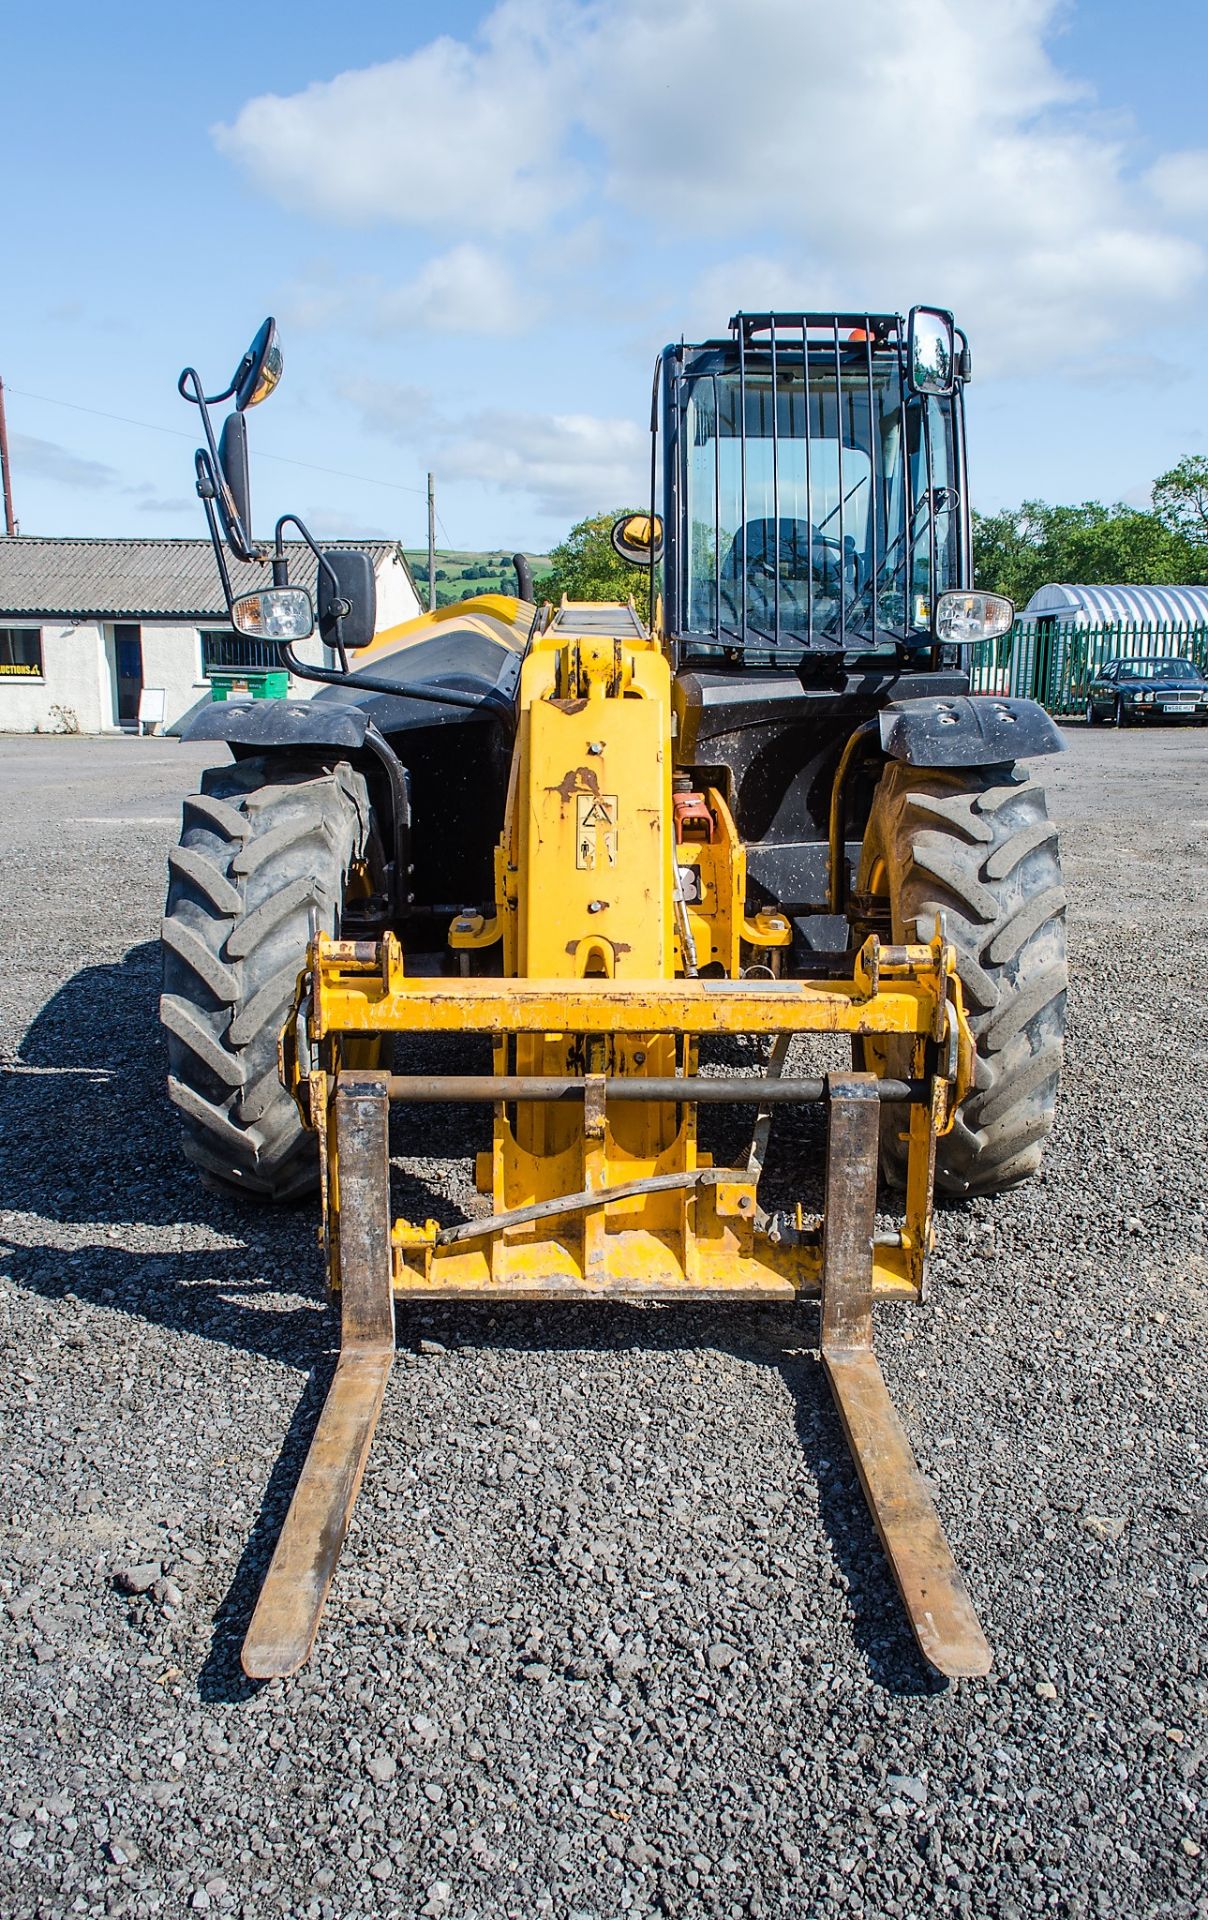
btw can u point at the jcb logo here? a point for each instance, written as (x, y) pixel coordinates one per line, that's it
(595, 830)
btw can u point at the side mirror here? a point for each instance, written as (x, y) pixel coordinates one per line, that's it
(638, 538)
(347, 599)
(234, 500)
(930, 350)
(259, 370)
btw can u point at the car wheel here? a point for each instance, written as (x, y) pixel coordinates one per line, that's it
(1121, 715)
(1092, 718)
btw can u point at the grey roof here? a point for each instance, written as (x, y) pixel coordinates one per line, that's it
(1108, 606)
(138, 579)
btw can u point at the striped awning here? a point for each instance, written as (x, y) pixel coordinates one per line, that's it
(1115, 606)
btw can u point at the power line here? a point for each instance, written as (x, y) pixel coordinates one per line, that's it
(178, 433)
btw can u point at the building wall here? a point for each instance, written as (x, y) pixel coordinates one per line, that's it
(77, 691)
(172, 660)
(75, 680)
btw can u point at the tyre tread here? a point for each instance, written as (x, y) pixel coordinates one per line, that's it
(981, 850)
(265, 844)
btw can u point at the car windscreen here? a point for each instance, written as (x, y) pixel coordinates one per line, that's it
(1142, 669)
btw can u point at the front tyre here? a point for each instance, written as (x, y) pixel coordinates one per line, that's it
(976, 845)
(267, 848)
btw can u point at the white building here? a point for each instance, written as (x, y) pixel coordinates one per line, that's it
(93, 631)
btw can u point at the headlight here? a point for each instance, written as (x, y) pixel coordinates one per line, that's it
(275, 613)
(968, 617)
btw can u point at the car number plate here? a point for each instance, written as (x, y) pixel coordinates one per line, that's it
(1178, 706)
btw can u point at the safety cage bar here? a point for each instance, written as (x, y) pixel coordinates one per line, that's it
(808, 353)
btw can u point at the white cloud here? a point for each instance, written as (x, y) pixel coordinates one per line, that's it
(49, 461)
(466, 290)
(568, 464)
(1179, 183)
(332, 523)
(871, 154)
(404, 414)
(458, 133)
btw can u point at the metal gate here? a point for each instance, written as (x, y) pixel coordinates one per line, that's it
(1054, 661)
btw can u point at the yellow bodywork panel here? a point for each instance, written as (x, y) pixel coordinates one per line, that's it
(597, 913)
(496, 615)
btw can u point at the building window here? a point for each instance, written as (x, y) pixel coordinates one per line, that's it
(223, 651)
(20, 653)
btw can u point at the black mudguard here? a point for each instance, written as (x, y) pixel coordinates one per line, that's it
(458, 657)
(438, 792)
(263, 725)
(960, 731)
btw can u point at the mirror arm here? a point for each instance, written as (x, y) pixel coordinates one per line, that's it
(250, 551)
(189, 388)
(369, 683)
(206, 489)
(492, 702)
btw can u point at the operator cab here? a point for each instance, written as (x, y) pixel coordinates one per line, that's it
(813, 471)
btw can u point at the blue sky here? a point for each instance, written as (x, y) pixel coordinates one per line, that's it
(477, 224)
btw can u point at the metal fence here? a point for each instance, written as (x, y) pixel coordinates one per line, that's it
(1054, 661)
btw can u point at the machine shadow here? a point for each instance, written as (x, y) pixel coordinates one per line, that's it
(92, 1158)
(221, 1678)
(769, 1336)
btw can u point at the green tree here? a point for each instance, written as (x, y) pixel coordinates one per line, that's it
(585, 566)
(1180, 498)
(1024, 547)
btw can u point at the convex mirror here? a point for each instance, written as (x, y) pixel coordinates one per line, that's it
(259, 370)
(930, 350)
(638, 538)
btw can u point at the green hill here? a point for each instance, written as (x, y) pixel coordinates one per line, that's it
(461, 574)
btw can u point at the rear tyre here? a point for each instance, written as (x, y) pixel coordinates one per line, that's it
(265, 847)
(976, 845)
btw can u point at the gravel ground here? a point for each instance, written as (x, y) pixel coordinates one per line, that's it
(612, 1633)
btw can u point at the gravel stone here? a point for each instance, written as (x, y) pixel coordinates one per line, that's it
(138, 1579)
(603, 1496)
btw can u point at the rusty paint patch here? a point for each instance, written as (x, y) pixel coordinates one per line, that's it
(568, 706)
(578, 780)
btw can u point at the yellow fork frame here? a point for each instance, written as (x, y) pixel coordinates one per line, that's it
(691, 1226)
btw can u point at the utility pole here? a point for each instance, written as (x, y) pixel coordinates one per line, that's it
(6, 484)
(431, 544)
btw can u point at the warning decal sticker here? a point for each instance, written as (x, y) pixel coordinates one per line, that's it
(596, 830)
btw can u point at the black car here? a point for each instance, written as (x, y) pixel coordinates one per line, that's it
(1140, 688)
